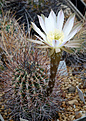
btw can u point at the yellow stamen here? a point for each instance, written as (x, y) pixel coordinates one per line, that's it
(55, 35)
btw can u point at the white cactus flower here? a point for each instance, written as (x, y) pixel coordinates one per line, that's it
(55, 35)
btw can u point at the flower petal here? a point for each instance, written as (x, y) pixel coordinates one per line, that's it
(44, 41)
(51, 51)
(39, 38)
(50, 22)
(64, 41)
(42, 23)
(42, 46)
(74, 43)
(74, 31)
(55, 43)
(52, 15)
(36, 41)
(60, 20)
(38, 31)
(67, 50)
(63, 44)
(57, 50)
(68, 25)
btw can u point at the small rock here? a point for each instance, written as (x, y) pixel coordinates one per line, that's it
(71, 89)
(21, 119)
(62, 69)
(78, 115)
(84, 107)
(76, 104)
(66, 115)
(80, 93)
(85, 94)
(84, 85)
(64, 95)
(2, 107)
(82, 104)
(1, 118)
(63, 104)
(71, 102)
(84, 65)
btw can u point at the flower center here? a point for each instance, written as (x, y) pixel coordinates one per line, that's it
(55, 35)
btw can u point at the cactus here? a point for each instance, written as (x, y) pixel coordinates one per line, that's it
(29, 82)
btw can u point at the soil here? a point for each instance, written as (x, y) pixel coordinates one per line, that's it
(73, 107)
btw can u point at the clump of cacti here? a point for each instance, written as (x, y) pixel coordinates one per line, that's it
(26, 75)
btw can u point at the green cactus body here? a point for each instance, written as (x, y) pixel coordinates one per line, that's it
(29, 83)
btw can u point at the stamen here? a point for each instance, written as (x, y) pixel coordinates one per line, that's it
(55, 35)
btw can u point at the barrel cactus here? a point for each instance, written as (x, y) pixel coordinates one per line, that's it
(27, 83)
(30, 82)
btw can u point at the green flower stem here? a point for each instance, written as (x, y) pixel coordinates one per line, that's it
(55, 59)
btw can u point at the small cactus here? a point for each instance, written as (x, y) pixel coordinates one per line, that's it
(29, 82)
